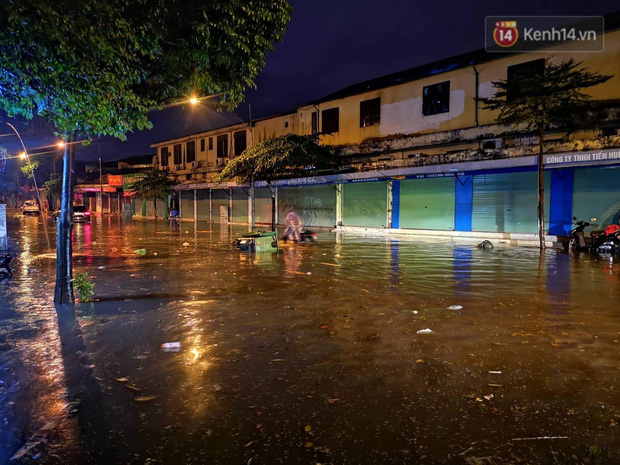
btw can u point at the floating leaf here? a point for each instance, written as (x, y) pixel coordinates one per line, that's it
(144, 398)
(121, 380)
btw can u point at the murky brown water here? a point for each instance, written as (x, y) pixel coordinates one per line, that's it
(310, 356)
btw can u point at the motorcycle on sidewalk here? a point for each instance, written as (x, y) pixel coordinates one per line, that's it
(599, 242)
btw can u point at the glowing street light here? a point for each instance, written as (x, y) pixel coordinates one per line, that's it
(194, 101)
(61, 144)
(23, 155)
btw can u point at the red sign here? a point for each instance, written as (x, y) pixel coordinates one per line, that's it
(115, 180)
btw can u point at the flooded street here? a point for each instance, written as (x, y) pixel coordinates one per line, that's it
(309, 356)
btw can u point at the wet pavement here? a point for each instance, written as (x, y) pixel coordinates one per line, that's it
(309, 356)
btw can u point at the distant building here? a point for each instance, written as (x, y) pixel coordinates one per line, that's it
(426, 155)
(103, 186)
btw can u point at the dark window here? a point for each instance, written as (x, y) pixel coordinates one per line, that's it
(436, 99)
(518, 75)
(190, 151)
(331, 120)
(315, 122)
(241, 143)
(370, 112)
(164, 156)
(222, 146)
(210, 143)
(202, 145)
(178, 159)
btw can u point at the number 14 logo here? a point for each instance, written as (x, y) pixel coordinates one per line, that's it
(505, 33)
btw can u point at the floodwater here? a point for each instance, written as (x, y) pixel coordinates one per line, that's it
(309, 356)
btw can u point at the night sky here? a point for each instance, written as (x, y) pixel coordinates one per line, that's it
(330, 44)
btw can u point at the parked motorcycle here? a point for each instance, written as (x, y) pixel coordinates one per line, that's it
(604, 242)
(308, 237)
(5, 267)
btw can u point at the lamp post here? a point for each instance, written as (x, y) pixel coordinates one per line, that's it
(27, 157)
(193, 100)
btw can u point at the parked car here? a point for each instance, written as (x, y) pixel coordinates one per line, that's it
(31, 207)
(80, 214)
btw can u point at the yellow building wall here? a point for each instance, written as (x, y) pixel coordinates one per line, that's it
(274, 127)
(401, 105)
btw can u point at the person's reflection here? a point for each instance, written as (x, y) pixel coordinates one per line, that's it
(558, 282)
(394, 264)
(292, 259)
(462, 256)
(95, 443)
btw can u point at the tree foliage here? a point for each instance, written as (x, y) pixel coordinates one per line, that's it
(29, 168)
(285, 156)
(54, 185)
(154, 185)
(96, 67)
(550, 98)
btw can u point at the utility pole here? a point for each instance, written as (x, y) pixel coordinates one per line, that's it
(252, 191)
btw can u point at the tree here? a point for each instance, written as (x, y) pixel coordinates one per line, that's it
(285, 156)
(551, 98)
(154, 185)
(29, 168)
(97, 68)
(53, 187)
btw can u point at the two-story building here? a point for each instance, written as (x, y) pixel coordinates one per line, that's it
(427, 155)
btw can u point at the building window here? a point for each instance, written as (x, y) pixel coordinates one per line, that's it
(436, 99)
(331, 120)
(222, 146)
(517, 73)
(190, 151)
(164, 156)
(210, 143)
(178, 158)
(370, 112)
(315, 122)
(202, 145)
(241, 143)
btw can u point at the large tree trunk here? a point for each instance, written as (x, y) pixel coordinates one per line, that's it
(541, 190)
(63, 293)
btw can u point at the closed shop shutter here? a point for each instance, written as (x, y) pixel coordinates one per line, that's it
(365, 204)
(262, 206)
(508, 202)
(219, 205)
(202, 197)
(240, 205)
(427, 203)
(187, 204)
(596, 194)
(315, 204)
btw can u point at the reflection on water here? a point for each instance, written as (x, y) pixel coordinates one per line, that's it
(311, 355)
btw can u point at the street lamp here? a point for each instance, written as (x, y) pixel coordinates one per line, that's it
(195, 101)
(61, 144)
(24, 155)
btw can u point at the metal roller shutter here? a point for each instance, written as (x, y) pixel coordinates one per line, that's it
(315, 204)
(596, 194)
(507, 202)
(365, 204)
(427, 203)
